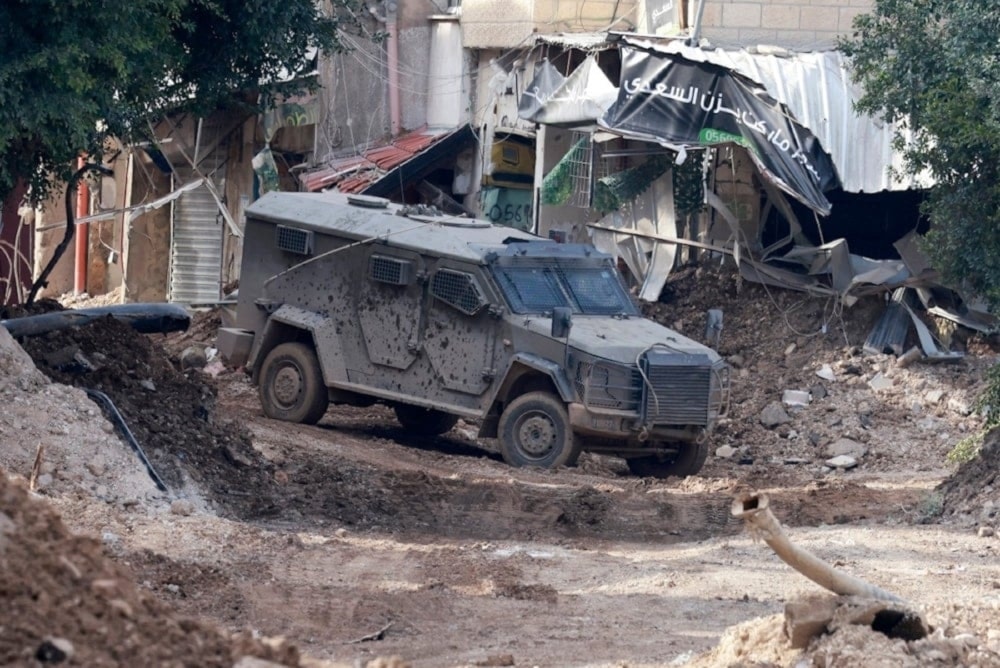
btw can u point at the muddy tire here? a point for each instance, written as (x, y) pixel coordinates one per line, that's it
(687, 462)
(291, 385)
(424, 421)
(534, 430)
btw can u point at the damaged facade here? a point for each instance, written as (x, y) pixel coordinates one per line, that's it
(659, 130)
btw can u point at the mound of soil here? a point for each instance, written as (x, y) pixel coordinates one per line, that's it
(65, 601)
(171, 413)
(972, 490)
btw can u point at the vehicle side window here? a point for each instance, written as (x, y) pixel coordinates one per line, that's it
(457, 289)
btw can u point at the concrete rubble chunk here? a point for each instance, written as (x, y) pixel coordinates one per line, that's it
(807, 618)
(795, 398)
(844, 462)
(725, 451)
(934, 396)
(880, 382)
(826, 373)
(846, 446)
(774, 415)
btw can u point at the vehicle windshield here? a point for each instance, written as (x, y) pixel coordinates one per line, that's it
(586, 290)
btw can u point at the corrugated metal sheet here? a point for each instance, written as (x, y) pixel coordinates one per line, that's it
(196, 249)
(197, 232)
(354, 173)
(818, 90)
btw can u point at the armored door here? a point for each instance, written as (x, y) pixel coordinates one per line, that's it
(460, 335)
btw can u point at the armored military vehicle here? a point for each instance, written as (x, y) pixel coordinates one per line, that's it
(354, 300)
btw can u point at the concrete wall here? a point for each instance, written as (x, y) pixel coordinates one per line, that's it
(508, 23)
(354, 98)
(794, 24)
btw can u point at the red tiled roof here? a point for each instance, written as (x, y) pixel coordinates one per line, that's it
(354, 173)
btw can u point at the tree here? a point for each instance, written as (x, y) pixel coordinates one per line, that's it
(933, 67)
(75, 72)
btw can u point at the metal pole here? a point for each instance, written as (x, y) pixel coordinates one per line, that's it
(693, 40)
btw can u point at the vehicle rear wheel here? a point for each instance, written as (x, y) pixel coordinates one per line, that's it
(534, 430)
(688, 461)
(424, 421)
(291, 385)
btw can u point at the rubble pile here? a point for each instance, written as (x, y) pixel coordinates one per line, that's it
(65, 601)
(805, 394)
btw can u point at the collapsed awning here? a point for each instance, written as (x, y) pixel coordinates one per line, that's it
(670, 100)
(380, 169)
(419, 165)
(818, 89)
(582, 97)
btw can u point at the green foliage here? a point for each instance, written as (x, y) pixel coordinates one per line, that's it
(932, 67)
(987, 405)
(966, 449)
(615, 191)
(74, 73)
(558, 184)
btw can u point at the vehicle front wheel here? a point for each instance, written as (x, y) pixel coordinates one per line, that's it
(424, 421)
(534, 430)
(291, 385)
(688, 461)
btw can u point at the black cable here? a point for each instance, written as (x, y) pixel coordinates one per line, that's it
(119, 421)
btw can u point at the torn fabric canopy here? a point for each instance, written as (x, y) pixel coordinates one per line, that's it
(580, 98)
(670, 100)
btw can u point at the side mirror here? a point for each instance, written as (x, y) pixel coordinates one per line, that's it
(562, 321)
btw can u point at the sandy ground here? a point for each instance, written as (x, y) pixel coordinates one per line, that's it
(353, 540)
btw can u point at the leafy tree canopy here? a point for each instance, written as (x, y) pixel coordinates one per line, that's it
(75, 72)
(933, 66)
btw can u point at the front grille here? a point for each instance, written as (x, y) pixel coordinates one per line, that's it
(605, 385)
(683, 389)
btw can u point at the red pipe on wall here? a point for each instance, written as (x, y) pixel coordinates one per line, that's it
(82, 236)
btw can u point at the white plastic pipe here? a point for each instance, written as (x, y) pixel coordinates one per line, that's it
(754, 511)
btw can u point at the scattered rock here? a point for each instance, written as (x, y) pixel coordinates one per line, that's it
(54, 650)
(880, 382)
(193, 357)
(497, 660)
(147, 385)
(795, 398)
(959, 406)
(909, 357)
(182, 507)
(844, 462)
(340, 533)
(725, 452)
(96, 467)
(846, 446)
(773, 415)
(986, 532)
(792, 347)
(818, 391)
(826, 373)
(737, 361)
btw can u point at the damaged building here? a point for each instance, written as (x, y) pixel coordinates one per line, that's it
(662, 131)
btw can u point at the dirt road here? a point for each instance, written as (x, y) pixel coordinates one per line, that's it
(354, 540)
